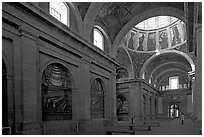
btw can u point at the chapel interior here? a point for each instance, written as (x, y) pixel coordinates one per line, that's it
(101, 68)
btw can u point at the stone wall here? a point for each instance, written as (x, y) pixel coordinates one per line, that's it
(32, 41)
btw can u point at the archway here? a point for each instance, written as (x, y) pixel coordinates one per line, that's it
(162, 53)
(161, 11)
(173, 111)
(122, 107)
(56, 89)
(97, 99)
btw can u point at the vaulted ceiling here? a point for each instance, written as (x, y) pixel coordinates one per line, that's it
(115, 15)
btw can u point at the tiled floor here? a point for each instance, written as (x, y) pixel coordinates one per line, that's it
(167, 127)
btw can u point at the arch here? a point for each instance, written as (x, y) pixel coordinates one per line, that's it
(7, 64)
(155, 79)
(77, 15)
(97, 106)
(174, 110)
(60, 11)
(53, 61)
(56, 93)
(89, 18)
(166, 11)
(121, 73)
(161, 65)
(98, 35)
(130, 68)
(176, 72)
(190, 61)
(107, 41)
(122, 107)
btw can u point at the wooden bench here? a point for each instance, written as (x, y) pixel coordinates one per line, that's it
(110, 132)
(140, 127)
(151, 123)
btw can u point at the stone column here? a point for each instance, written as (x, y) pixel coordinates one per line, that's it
(113, 97)
(29, 82)
(153, 106)
(148, 104)
(160, 105)
(134, 97)
(198, 72)
(84, 79)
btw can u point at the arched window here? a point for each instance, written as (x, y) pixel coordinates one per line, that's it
(98, 39)
(56, 93)
(174, 82)
(97, 99)
(60, 11)
(121, 73)
(174, 111)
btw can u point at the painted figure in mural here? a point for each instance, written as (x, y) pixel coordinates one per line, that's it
(141, 39)
(163, 40)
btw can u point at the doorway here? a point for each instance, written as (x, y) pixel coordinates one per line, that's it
(173, 111)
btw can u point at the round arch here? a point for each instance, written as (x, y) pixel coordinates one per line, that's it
(44, 66)
(89, 18)
(161, 73)
(178, 72)
(161, 11)
(190, 61)
(97, 98)
(77, 15)
(131, 69)
(162, 65)
(107, 42)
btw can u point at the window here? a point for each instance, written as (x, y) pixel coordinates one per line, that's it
(121, 73)
(156, 22)
(98, 38)
(56, 93)
(97, 99)
(60, 11)
(174, 82)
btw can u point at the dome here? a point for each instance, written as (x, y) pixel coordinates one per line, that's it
(155, 34)
(156, 22)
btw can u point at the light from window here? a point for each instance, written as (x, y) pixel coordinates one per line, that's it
(156, 22)
(98, 39)
(60, 11)
(173, 82)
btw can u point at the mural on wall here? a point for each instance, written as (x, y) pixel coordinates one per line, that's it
(175, 35)
(151, 43)
(97, 99)
(56, 93)
(150, 40)
(131, 40)
(141, 42)
(163, 40)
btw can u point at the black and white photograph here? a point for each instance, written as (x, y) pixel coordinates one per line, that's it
(101, 68)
